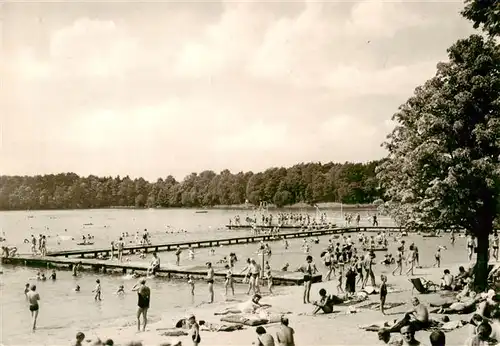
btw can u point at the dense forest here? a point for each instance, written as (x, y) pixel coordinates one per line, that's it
(350, 183)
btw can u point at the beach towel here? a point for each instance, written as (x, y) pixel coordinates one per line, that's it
(248, 321)
(376, 305)
(213, 327)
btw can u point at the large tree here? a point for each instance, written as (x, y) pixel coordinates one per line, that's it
(443, 165)
(484, 14)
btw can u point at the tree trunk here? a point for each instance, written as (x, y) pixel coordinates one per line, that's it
(485, 227)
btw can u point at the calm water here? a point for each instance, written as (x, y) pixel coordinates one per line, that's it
(64, 311)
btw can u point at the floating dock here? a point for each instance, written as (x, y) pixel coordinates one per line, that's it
(265, 226)
(122, 268)
(106, 252)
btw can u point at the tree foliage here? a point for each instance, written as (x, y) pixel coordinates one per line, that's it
(310, 183)
(484, 14)
(443, 166)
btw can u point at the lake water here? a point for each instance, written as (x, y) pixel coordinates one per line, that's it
(64, 311)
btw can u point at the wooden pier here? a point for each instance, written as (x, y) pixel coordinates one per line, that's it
(105, 252)
(122, 268)
(290, 227)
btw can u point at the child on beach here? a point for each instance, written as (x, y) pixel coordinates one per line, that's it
(194, 330)
(399, 261)
(437, 258)
(383, 292)
(340, 279)
(269, 277)
(229, 279)
(97, 290)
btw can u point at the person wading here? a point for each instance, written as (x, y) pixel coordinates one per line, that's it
(143, 299)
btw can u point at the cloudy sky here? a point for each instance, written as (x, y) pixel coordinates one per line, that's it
(157, 88)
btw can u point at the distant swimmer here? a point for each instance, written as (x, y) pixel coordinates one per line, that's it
(33, 298)
(77, 288)
(26, 289)
(121, 290)
(53, 276)
(143, 299)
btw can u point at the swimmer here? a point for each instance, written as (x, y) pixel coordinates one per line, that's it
(53, 276)
(33, 298)
(121, 290)
(77, 288)
(26, 289)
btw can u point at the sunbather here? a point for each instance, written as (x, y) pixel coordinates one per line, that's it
(250, 306)
(418, 318)
(326, 302)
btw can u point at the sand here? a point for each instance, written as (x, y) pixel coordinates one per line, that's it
(339, 328)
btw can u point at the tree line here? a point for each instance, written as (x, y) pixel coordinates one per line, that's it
(350, 183)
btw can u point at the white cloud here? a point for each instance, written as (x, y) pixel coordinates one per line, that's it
(158, 89)
(93, 48)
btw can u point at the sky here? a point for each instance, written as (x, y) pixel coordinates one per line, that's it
(157, 88)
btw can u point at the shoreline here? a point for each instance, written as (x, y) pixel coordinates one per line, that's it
(309, 330)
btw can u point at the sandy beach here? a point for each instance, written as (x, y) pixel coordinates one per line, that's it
(338, 328)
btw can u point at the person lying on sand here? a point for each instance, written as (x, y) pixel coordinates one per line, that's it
(463, 306)
(250, 306)
(326, 302)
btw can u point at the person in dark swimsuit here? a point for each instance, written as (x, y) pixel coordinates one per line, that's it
(308, 269)
(143, 299)
(33, 298)
(210, 281)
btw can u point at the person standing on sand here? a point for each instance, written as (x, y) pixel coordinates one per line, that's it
(210, 281)
(33, 298)
(399, 261)
(383, 292)
(284, 335)
(97, 290)
(190, 282)
(411, 260)
(194, 330)
(143, 300)
(229, 283)
(368, 263)
(309, 269)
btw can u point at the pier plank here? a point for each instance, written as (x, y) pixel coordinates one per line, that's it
(216, 242)
(169, 271)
